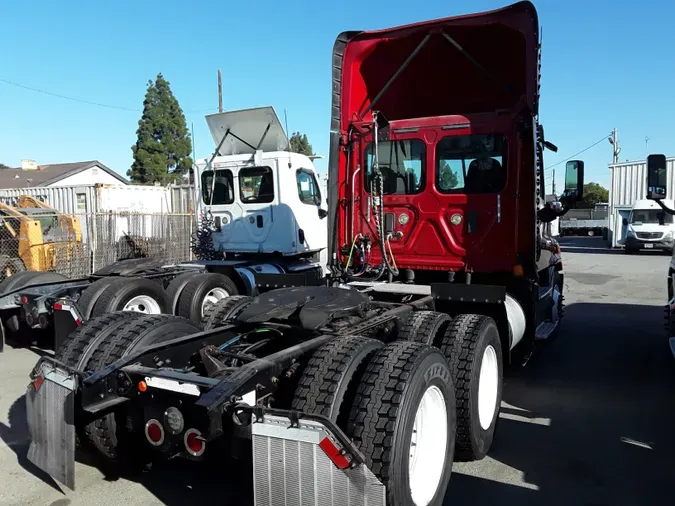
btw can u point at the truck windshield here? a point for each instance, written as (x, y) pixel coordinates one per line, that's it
(641, 216)
(471, 164)
(401, 163)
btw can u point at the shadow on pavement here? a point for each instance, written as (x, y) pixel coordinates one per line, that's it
(176, 482)
(589, 421)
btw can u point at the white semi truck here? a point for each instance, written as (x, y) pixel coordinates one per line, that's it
(261, 224)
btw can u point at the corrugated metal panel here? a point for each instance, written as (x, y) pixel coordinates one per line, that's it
(66, 199)
(107, 198)
(628, 184)
(182, 199)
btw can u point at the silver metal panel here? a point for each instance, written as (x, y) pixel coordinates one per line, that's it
(249, 125)
(50, 413)
(391, 287)
(66, 199)
(290, 469)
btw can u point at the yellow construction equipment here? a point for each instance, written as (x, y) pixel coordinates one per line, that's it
(33, 234)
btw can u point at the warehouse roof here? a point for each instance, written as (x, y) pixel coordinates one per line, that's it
(46, 175)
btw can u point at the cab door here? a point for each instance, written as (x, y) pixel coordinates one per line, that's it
(257, 190)
(311, 215)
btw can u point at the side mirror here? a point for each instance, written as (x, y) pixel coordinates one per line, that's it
(574, 181)
(657, 177)
(625, 222)
(322, 213)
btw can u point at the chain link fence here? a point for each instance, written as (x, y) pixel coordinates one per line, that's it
(77, 245)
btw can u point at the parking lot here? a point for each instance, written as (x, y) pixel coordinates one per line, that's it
(590, 420)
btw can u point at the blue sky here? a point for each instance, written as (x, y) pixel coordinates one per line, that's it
(605, 64)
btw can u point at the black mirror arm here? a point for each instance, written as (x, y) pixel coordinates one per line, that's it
(663, 206)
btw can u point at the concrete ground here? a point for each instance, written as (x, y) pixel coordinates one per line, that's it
(590, 421)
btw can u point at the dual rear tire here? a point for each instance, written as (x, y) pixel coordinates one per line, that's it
(188, 295)
(396, 402)
(472, 346)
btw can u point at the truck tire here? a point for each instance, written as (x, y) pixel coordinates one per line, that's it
(328, 383)
(402, 381)
(76, 350)
(424, 327)
(29, 278)
(135, 332)
(89, 296)
(176, 287)
(9, 266)
(216, 314)
(203, 290)
(474, 351)
(139, 295)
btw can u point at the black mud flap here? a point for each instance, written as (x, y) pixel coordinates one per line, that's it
(50, 407)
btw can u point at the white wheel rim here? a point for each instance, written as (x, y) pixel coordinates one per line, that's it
(428, 446)
(143, 304)
(488, 387)
(213, 296)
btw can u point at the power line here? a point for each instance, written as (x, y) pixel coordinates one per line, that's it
(99, 104)
(576, 154)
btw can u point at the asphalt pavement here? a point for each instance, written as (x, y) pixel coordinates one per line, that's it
(589, 421)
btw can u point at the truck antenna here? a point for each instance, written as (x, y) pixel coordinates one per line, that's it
(289, 139)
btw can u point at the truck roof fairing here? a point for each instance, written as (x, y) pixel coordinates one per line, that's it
(458, 65)
(247, 130)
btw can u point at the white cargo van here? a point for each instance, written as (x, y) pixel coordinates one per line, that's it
(644, 228)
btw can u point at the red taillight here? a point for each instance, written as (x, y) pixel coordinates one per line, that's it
(58, 306)
(193, 442)
(37, 382)
(24, 299)
(334, 453)
(154, 432)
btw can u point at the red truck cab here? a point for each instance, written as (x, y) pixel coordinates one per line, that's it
(437, 156)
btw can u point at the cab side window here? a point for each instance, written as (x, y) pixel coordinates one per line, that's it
(308, 187)
(223, 187)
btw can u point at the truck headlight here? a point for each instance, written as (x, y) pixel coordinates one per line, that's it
(668, 236)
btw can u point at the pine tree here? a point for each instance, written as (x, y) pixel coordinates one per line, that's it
(448, 177)
(300, 144)
(163, 146)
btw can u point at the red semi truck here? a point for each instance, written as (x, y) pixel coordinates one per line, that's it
(371, 383)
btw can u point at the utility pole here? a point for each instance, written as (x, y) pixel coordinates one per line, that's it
(220, 92)
(614, 141)
(554, 194)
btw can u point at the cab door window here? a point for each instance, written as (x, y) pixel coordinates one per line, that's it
(308, 187)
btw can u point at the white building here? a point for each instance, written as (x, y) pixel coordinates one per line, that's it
(32, 175)
(628, 183)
